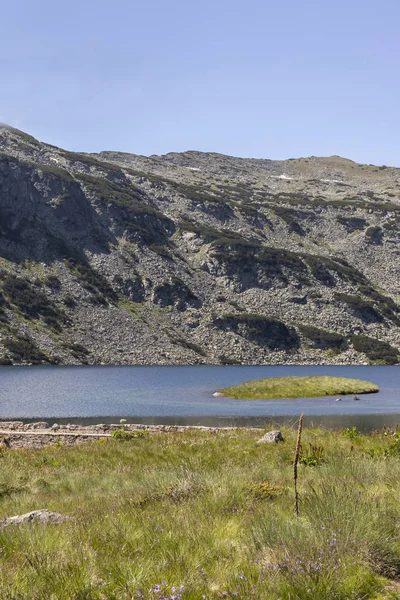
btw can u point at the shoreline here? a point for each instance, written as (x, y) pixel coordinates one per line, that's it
(16, 434)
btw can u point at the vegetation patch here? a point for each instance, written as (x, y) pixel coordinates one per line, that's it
(175, 293)
(33, 303)
(376, 350)
(289, 216)
(228, 360)
(53, 282)
(264, 490)
(374, 234)
(264, 331)
(323, 339)
(23, 350)
(387, 306)
(218, 237)
(92, 281)
(122, 435)
(78, 351)
(299, 387)
(3, 306)
(352, 223)
(90, 161)
(180, 341)
(53, 171)
(136, 216)
(363, 309)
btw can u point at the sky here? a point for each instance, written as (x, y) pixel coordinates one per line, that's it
(253, 78)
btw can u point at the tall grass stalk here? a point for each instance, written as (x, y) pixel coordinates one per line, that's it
(295, 463)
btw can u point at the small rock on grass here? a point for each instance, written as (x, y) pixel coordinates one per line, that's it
(36, 516)
(271, 437)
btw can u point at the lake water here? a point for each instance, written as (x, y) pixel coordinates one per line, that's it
(183, 395)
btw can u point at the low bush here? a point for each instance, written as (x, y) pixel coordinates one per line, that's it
(122, 435)
(92, 281)
(376, 350)
(365, 310)
(262, 330)
(33, 303)
(23, 349)
(53, 282)
(322, 338)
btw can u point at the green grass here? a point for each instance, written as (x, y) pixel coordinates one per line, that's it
(299, 387)
(210, 512)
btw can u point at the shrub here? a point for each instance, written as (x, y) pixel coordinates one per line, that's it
(53, 282)
(69, 301)
(137, 216)
(351, 433)
(322, 338)
(92, 281)
(289, 217)
(365, 310)
(313, 457)
(31, 302)
(376, 350)
(265, 490)
(374, 234)
(352, 223)
(125, 436)
(23, 349)
(77, 350)
(227, 360)
(259, 329)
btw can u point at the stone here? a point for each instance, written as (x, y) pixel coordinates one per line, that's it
(36, 516)
(55, 426)
(271, 437)
(38, 425)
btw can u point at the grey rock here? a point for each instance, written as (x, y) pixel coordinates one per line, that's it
(36, 516)
(55, 426)
(271, 437)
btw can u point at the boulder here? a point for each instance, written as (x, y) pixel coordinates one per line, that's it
(271, 437)
(36, 516)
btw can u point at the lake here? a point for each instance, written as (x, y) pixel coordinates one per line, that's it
(183, 395)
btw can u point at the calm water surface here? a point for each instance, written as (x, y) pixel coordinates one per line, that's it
(184, 395)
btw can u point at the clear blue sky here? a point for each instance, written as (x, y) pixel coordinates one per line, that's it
(252, 78)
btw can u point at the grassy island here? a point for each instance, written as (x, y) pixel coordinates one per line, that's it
(298, 387)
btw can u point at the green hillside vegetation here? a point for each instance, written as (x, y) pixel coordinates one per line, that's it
(299, 387)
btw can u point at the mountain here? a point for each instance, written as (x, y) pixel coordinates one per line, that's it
(195, 257)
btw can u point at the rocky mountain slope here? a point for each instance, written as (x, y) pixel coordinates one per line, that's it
(195, 258)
